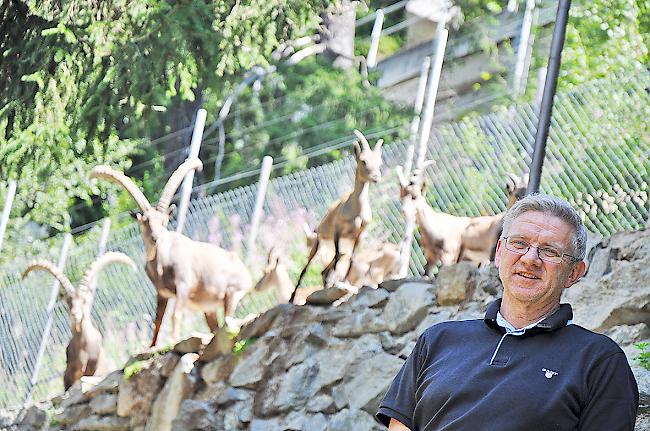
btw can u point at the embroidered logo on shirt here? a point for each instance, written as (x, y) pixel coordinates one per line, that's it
(549, 373)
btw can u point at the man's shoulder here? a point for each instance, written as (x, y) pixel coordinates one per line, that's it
(453, 326)
(587, 339)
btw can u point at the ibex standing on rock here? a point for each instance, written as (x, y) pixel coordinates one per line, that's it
(84, 353)
(200, 275)
(350, 215)
(447, 238)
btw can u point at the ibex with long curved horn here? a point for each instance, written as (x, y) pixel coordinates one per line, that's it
(85, 356)
(200, 275)
(447, 238)
(350, 215)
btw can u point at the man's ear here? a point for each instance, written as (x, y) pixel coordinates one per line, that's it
(497, 253)
(578, 270)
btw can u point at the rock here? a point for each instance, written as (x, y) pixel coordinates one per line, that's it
(103, 423)
(622, 297)
(288, 391)
(217, 369)
(197, 416)
(251, 367)
(265, 321)
(104, 404)
(109, 384)
(359, 323)
(219, 345)
(369, 380)
(137, 393)
(455, 283)
(628, 334)
(180, 385)
(407, 306)
(394, 284)
(352, 419)
(194, 344)
(326, 296)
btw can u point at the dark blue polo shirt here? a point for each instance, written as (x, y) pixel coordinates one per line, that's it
(472, 375)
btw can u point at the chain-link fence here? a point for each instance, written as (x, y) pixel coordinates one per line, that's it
(597, 158)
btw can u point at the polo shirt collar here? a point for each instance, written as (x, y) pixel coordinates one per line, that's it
(558, 319)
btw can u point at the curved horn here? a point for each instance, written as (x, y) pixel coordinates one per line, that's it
(108, 173)
(512, 182)
(48, 266)
(175, 181)
(101, 262)
(399, 170)
(362, 139)
(378, 145)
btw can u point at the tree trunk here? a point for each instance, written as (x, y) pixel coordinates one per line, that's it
(339, 34)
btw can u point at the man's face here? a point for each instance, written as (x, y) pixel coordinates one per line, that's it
(527, 278)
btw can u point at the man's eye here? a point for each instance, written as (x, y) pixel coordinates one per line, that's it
(549, 252)
(519, 243)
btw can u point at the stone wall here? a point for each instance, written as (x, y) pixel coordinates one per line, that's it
(326, 367)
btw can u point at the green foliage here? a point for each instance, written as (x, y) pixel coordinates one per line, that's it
(603, 37)
(133, 368)
(644, 356)
(242, 345)
(80, 80)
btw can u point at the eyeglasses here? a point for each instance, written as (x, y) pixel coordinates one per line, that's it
(547, 254)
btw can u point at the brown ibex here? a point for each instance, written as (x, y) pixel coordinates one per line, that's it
(447, 238)
(84, 353)
(348, 217)
(369, 267)
(276, 277)
(200, 275)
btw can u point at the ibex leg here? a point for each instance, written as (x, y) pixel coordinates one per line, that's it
(329, 273)
(161, 305)
(211, 319)
(354, 249)
(312, 253)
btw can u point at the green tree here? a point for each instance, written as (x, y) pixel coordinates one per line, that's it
(82, 81)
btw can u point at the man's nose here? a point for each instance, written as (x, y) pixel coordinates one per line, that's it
(532, 254)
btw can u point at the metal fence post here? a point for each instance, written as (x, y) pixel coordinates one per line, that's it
(425, 130)
(417, 111)
(371, 60)
(523, 47)
(186, 188)
(54, 293)
(6, 210)
(550, 85)
(265, 173)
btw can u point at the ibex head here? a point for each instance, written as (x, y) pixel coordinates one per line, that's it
(152, 220)
(79, 301)
(368, 160)
(516, 187)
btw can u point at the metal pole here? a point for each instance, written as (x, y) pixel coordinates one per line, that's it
(371, 59)
(546, 109)
(186, 188)
(6, 210)
(54, 293)
(440, 43)
(103, 241)
(522, 47)
(265, 173)
(417, 111)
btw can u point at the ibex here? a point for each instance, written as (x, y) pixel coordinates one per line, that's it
(276, 277)
(369, 267)
(200, 275)
(84, 353)
(372, 266)
(350, 215)
(447, 238)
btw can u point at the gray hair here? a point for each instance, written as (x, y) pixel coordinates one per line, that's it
(556, 207)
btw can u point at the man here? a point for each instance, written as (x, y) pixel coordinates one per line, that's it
(525, 366)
